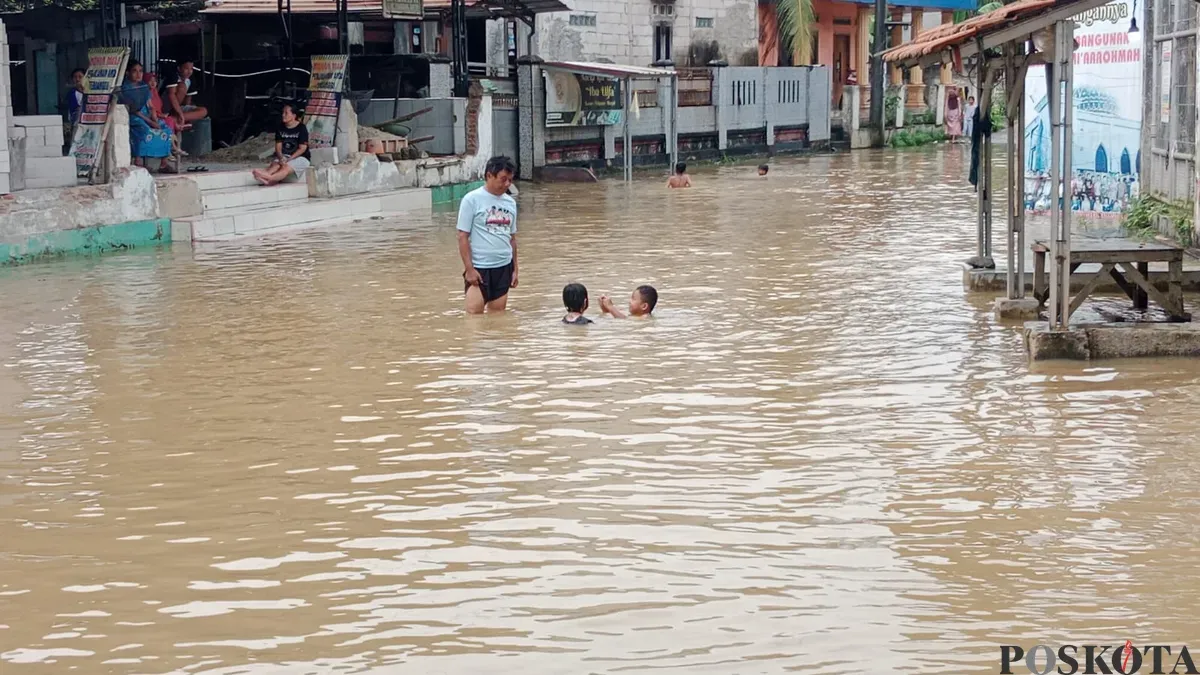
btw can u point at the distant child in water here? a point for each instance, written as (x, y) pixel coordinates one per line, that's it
(576, 300)
(680, 179)
(763, 169)
(641, 304)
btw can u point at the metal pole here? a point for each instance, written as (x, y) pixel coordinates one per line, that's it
(1060, 176)
(1018, 126)
(1068, 69)
(982, 185)
(1052, 80)
(628, 147)
(674, 120)
(987, 185)
(877, 74)
(1014, 189)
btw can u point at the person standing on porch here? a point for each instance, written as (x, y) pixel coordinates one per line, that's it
(969, 118)
(954, 115)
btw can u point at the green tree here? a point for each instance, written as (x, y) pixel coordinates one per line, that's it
(796, 20)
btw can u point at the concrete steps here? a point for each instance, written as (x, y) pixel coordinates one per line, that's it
(271, 218)
(253, 197)
(236, 206)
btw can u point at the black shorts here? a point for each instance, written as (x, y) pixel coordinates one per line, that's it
(494, 282)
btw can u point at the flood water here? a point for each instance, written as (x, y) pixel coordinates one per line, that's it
(297, 456)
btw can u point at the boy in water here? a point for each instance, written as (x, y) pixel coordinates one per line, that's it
(641, 304)
(575, 299)
(680, 179)
(763, 169)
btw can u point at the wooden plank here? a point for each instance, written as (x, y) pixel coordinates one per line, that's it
(1121, 283)
(1132, 274)
(1089, 287)
(1140, 300)
(1119, 244)
(1041, 287)
(1175, 284)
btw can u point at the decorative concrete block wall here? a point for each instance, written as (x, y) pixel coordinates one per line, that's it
(45, 165)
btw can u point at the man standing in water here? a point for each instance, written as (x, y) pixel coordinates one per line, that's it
(487, 239)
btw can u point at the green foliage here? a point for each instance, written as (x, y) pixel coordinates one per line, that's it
(921, 118)
(998, 113)
(917, 137)
(796, 19)
(1142, 216)
(890, 103)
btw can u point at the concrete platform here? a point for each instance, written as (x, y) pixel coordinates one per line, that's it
(251, 197)
(232, 223)
(1098, 341)
(1023, 309)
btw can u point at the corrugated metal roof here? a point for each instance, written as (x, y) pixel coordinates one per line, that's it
(949, 36)
(475, 8)
(607, 69)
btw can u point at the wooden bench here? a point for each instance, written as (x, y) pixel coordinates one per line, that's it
(1127, 262)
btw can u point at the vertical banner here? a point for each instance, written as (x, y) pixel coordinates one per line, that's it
(1105, 152)
(325, 99)
(106, 69)
(1165, 80)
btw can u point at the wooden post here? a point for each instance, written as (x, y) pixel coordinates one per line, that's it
(896, 75)
(1061, 104)
(1018, 127)
(628, 133)
(1014, 190)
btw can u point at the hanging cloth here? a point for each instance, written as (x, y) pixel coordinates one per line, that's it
(981, 129)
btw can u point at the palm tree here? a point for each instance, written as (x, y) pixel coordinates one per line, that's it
(796, 21)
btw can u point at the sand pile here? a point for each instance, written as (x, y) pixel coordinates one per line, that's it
(373, 134)
(250, 150)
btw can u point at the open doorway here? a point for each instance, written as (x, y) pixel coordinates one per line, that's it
(841, 65)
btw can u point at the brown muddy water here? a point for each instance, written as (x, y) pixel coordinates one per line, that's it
(297, 456)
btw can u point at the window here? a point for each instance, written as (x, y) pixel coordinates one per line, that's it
(583, 20)
(704, 22)
(661, 10)
(662, 42)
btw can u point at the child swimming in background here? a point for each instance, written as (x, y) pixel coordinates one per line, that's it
(641, 304)
(575, 298)
(680, 179)
(763, 169)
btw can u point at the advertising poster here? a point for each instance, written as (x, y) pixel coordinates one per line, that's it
(1105, 157)
(325, 85)
(581, 100)
(106, 69)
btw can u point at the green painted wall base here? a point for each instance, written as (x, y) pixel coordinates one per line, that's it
(87, 241)
(448, 194)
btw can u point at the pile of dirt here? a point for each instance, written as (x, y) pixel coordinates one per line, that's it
(249, 150)
(373, 134)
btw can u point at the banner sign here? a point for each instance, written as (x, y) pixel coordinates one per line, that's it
(582, 100)
(1106, 156)
(106, 70)
(325, 99)
(403, 9)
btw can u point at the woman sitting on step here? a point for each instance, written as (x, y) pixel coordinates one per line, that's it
(291, 151)
(149, 137)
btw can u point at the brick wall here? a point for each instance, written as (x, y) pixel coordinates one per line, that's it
(623, 31)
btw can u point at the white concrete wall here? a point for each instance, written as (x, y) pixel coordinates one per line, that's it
(624, 31)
